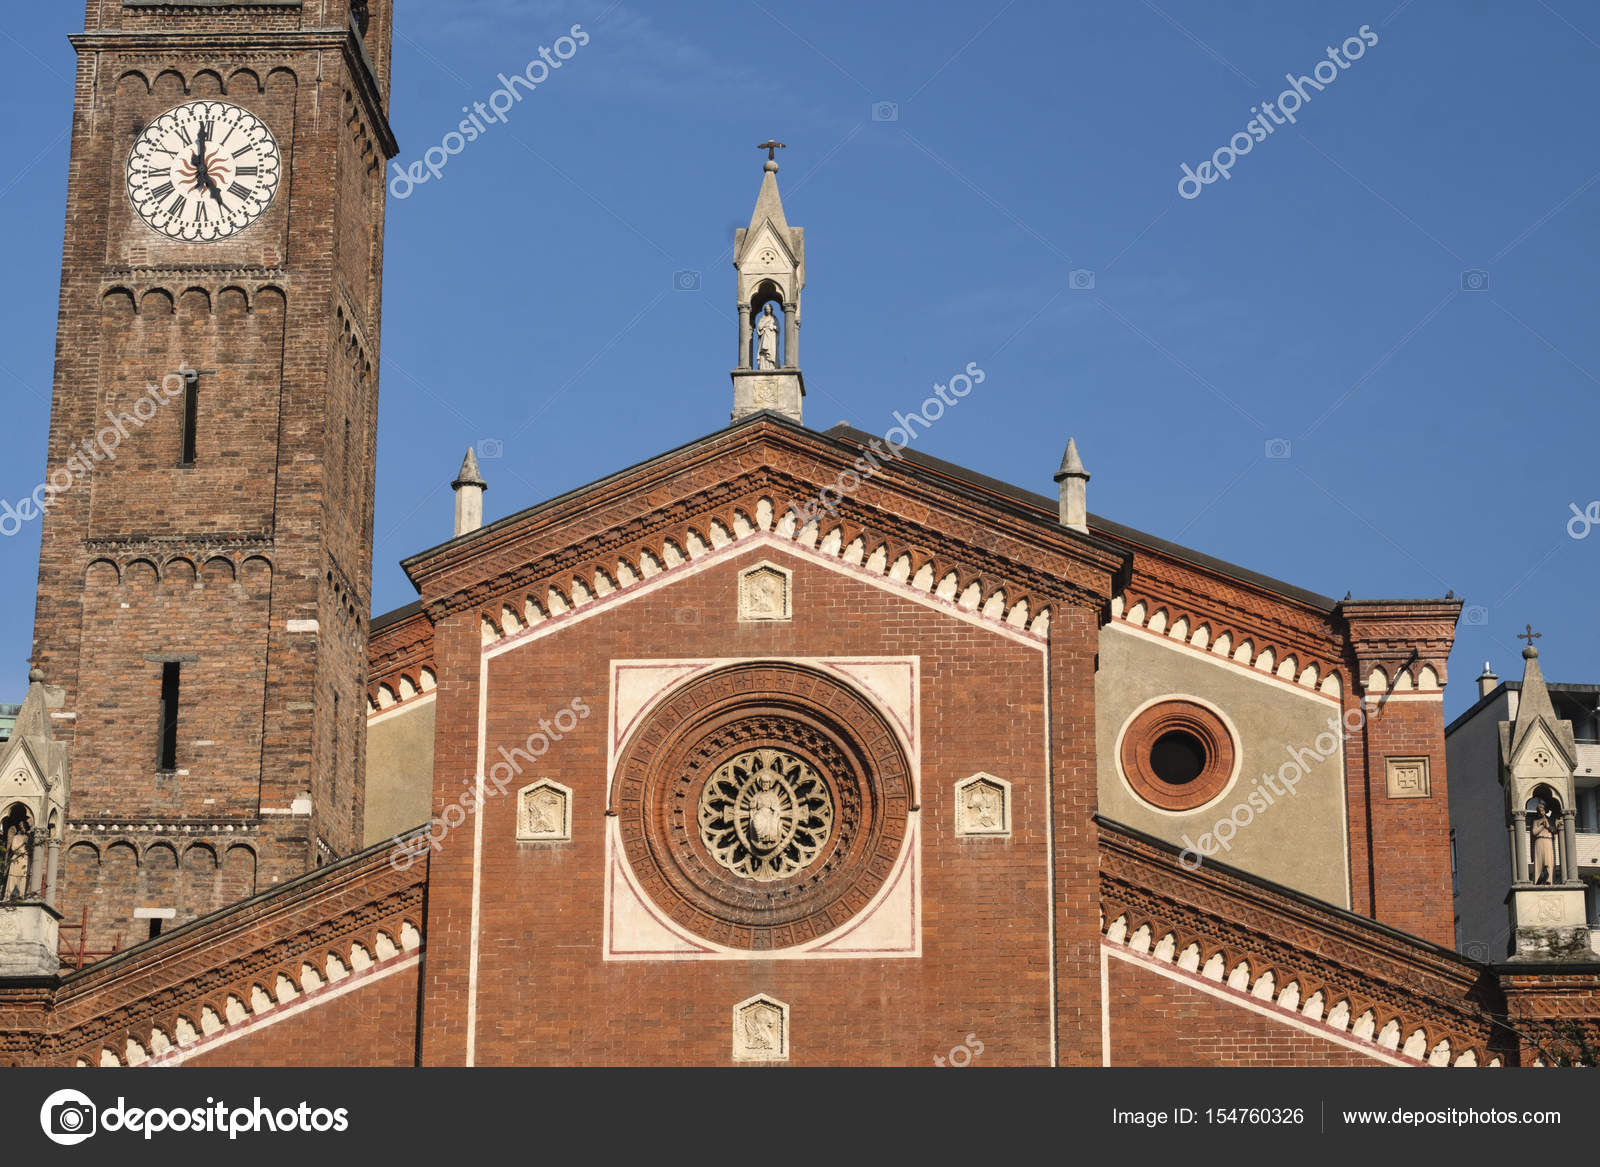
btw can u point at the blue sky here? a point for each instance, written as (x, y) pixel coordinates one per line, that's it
(1439, 426)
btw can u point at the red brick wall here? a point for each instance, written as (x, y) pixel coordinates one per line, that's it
(1157, 1021)
(1409, 837)
(546, 997)
(1074, 638)
(375, 1025)
(273, 522)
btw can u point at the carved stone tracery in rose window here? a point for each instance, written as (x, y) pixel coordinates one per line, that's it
(765, 814)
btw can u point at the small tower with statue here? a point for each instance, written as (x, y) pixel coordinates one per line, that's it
(770, 258)
(33, 800)
(1538, 757)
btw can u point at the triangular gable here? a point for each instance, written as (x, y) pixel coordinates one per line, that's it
(1541, 751)
(777, 481)
(765, 234)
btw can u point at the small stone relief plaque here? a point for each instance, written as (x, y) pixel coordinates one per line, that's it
(983, 806)
(544, 812)
(1408, 778)
(760, 1030)
(764, 593)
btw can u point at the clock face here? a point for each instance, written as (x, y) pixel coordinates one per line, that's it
(203, 171)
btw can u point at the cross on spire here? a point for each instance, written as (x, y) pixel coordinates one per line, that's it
(771, 147)
(1530, 635)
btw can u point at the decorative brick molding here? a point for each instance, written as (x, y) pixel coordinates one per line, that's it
(1359, 979)
(400, 661)
(1400, 645)
(1240, 638)
(735, 484)
(248, 966)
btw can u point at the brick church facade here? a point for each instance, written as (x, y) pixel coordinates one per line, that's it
(784, 746)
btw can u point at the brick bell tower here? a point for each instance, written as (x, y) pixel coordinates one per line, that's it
(205, 571)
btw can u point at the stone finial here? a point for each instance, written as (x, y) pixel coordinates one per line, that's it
(469, 487)
(1073, 481)
(35, 675)
(1487, 680)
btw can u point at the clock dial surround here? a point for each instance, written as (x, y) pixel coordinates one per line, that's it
(203, 171)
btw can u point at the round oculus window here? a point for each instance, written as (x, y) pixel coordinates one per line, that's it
(1177, 755)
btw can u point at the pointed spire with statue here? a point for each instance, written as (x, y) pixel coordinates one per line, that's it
(770, 259)
(1538, 757)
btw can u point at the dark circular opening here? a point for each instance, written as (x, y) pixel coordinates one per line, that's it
(1178, 757)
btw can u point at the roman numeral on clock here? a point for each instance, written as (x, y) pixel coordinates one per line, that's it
(248, 171)
(177, 206)
(201, 214)
(240, 191)
(161, 191)
(183, 133)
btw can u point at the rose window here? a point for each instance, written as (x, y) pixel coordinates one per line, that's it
(762, 805)
(765, 814)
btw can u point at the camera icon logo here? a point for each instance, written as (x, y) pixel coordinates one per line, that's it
(886, 111)
(686, 615)
(1475, 614)
(1080, 280)
(68, 1117)
(686, 281)
(1278, 449)
(491, 448)
(1474, 279)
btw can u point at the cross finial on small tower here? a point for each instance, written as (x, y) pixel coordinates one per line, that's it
(1530, 636)
(771, 146)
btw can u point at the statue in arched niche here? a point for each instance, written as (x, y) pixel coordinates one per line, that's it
(18, 854)
(767, 339)
(1542, 830)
